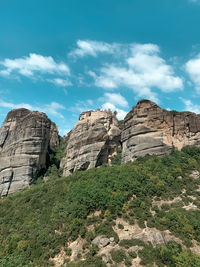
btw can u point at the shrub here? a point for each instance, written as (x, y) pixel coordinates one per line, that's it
(68, 251)
(118, 255)
(120, 226)
(132, 254)
(127, 243)
(64, 203)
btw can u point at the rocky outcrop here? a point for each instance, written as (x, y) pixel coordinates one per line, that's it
(147, 234)
(25, 137)
(92, 142)
(149, 129)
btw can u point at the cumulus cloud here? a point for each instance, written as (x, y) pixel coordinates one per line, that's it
(193, 69)
(190, 106)
(141, 69)
(120, 113)
(116, 99)
(51, 109)
(92, 48)
(33, 65)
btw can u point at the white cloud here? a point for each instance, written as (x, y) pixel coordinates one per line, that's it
(193, 69)
(28, 66)
(92, 48)
(116, 99)
(51, 109)
(189, 106)
(82, 106)
(10, 105)
(60, 82)
(141, 69)
(145, 48)
(63, 132)
(86, 105)
(120, 113)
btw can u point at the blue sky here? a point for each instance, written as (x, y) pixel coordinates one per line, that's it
(67, 56)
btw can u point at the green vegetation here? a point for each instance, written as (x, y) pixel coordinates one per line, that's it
(53, 161)
(132, 254)
(118, 255)
(93, 261)
(37, 222)
(120, 226)
(127, 243)
(170, 255)
(116, 160)
(121, 124)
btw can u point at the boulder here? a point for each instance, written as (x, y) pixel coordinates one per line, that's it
(25, 138)
(195, 174)
(149, 129)
(92, 142)
(101, 241)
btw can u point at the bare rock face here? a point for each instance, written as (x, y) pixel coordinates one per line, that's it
(149, 129)
(92, 142)
(25, 137)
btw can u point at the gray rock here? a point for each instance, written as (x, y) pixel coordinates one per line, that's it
(153, 236)
(101, 241)
(149, 129)
(195, 174)
(96, 241)
(92, 142)
(104, 242)
(112, 239)
(105, 259)
(135, 249)
(25, 137)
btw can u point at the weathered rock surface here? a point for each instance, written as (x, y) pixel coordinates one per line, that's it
(195, 174)
(101, 241)
(149, 129)
(152, 235)
(25, 137)
(92, 142)
(77, 248)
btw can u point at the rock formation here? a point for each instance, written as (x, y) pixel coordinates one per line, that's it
(92, 142)
(24, 140)
(149, 129)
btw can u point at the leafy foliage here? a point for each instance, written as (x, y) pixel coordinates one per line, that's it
(116, 160)
(55, 155)
(170, 255)
(38, 221)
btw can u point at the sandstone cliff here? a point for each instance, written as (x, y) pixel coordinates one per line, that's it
(149, 129)
(92, 142)
(24, 140)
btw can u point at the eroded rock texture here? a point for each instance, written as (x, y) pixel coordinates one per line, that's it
(149, 129)
(25, 137)
(92, 142)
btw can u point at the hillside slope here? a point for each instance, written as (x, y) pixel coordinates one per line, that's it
(141, 213)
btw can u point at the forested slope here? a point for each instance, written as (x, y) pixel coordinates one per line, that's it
(142, 213)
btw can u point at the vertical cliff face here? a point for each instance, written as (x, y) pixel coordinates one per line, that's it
(24, 140)
(92, 142)
(149, 129)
